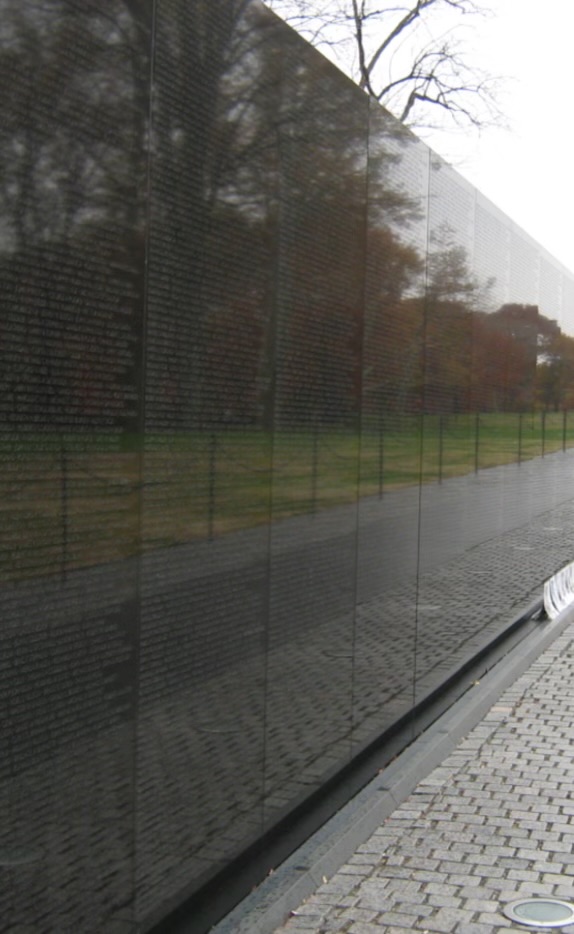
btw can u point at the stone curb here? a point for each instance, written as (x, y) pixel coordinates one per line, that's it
(268, 907)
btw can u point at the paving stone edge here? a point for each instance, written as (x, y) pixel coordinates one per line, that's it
(268, 906)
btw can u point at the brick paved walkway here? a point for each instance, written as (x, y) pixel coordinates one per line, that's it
(494, 822)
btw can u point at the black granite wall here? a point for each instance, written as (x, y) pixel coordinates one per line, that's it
(285, 436)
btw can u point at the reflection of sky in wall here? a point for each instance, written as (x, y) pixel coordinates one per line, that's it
(451, 201)
(527, 169)
(519, 269)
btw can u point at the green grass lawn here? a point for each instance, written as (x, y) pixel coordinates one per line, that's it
(70, 502)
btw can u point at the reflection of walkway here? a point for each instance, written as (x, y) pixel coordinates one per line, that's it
(235, 722)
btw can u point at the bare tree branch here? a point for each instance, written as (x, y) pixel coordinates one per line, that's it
(407, 55)
(398, 30)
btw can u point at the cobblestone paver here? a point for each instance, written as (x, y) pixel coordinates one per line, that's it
(495, 822)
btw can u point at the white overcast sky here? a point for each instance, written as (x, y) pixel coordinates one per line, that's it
(527, 170)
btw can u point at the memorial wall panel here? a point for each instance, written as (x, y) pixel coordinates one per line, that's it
(207, 455)
(491, 254)
(445, 618)
(322, 125)
(524, 277)
(517, 323)
(550, 290)
(71, 282)
(392, 361)
(566, 319)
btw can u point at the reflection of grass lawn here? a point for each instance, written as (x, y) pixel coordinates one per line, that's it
(456, 445)
(67, 506)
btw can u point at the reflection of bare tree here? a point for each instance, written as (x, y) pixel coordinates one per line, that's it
(260, 147)
(71, 137)
(281, 186)
(72, 165)
(74, 148)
